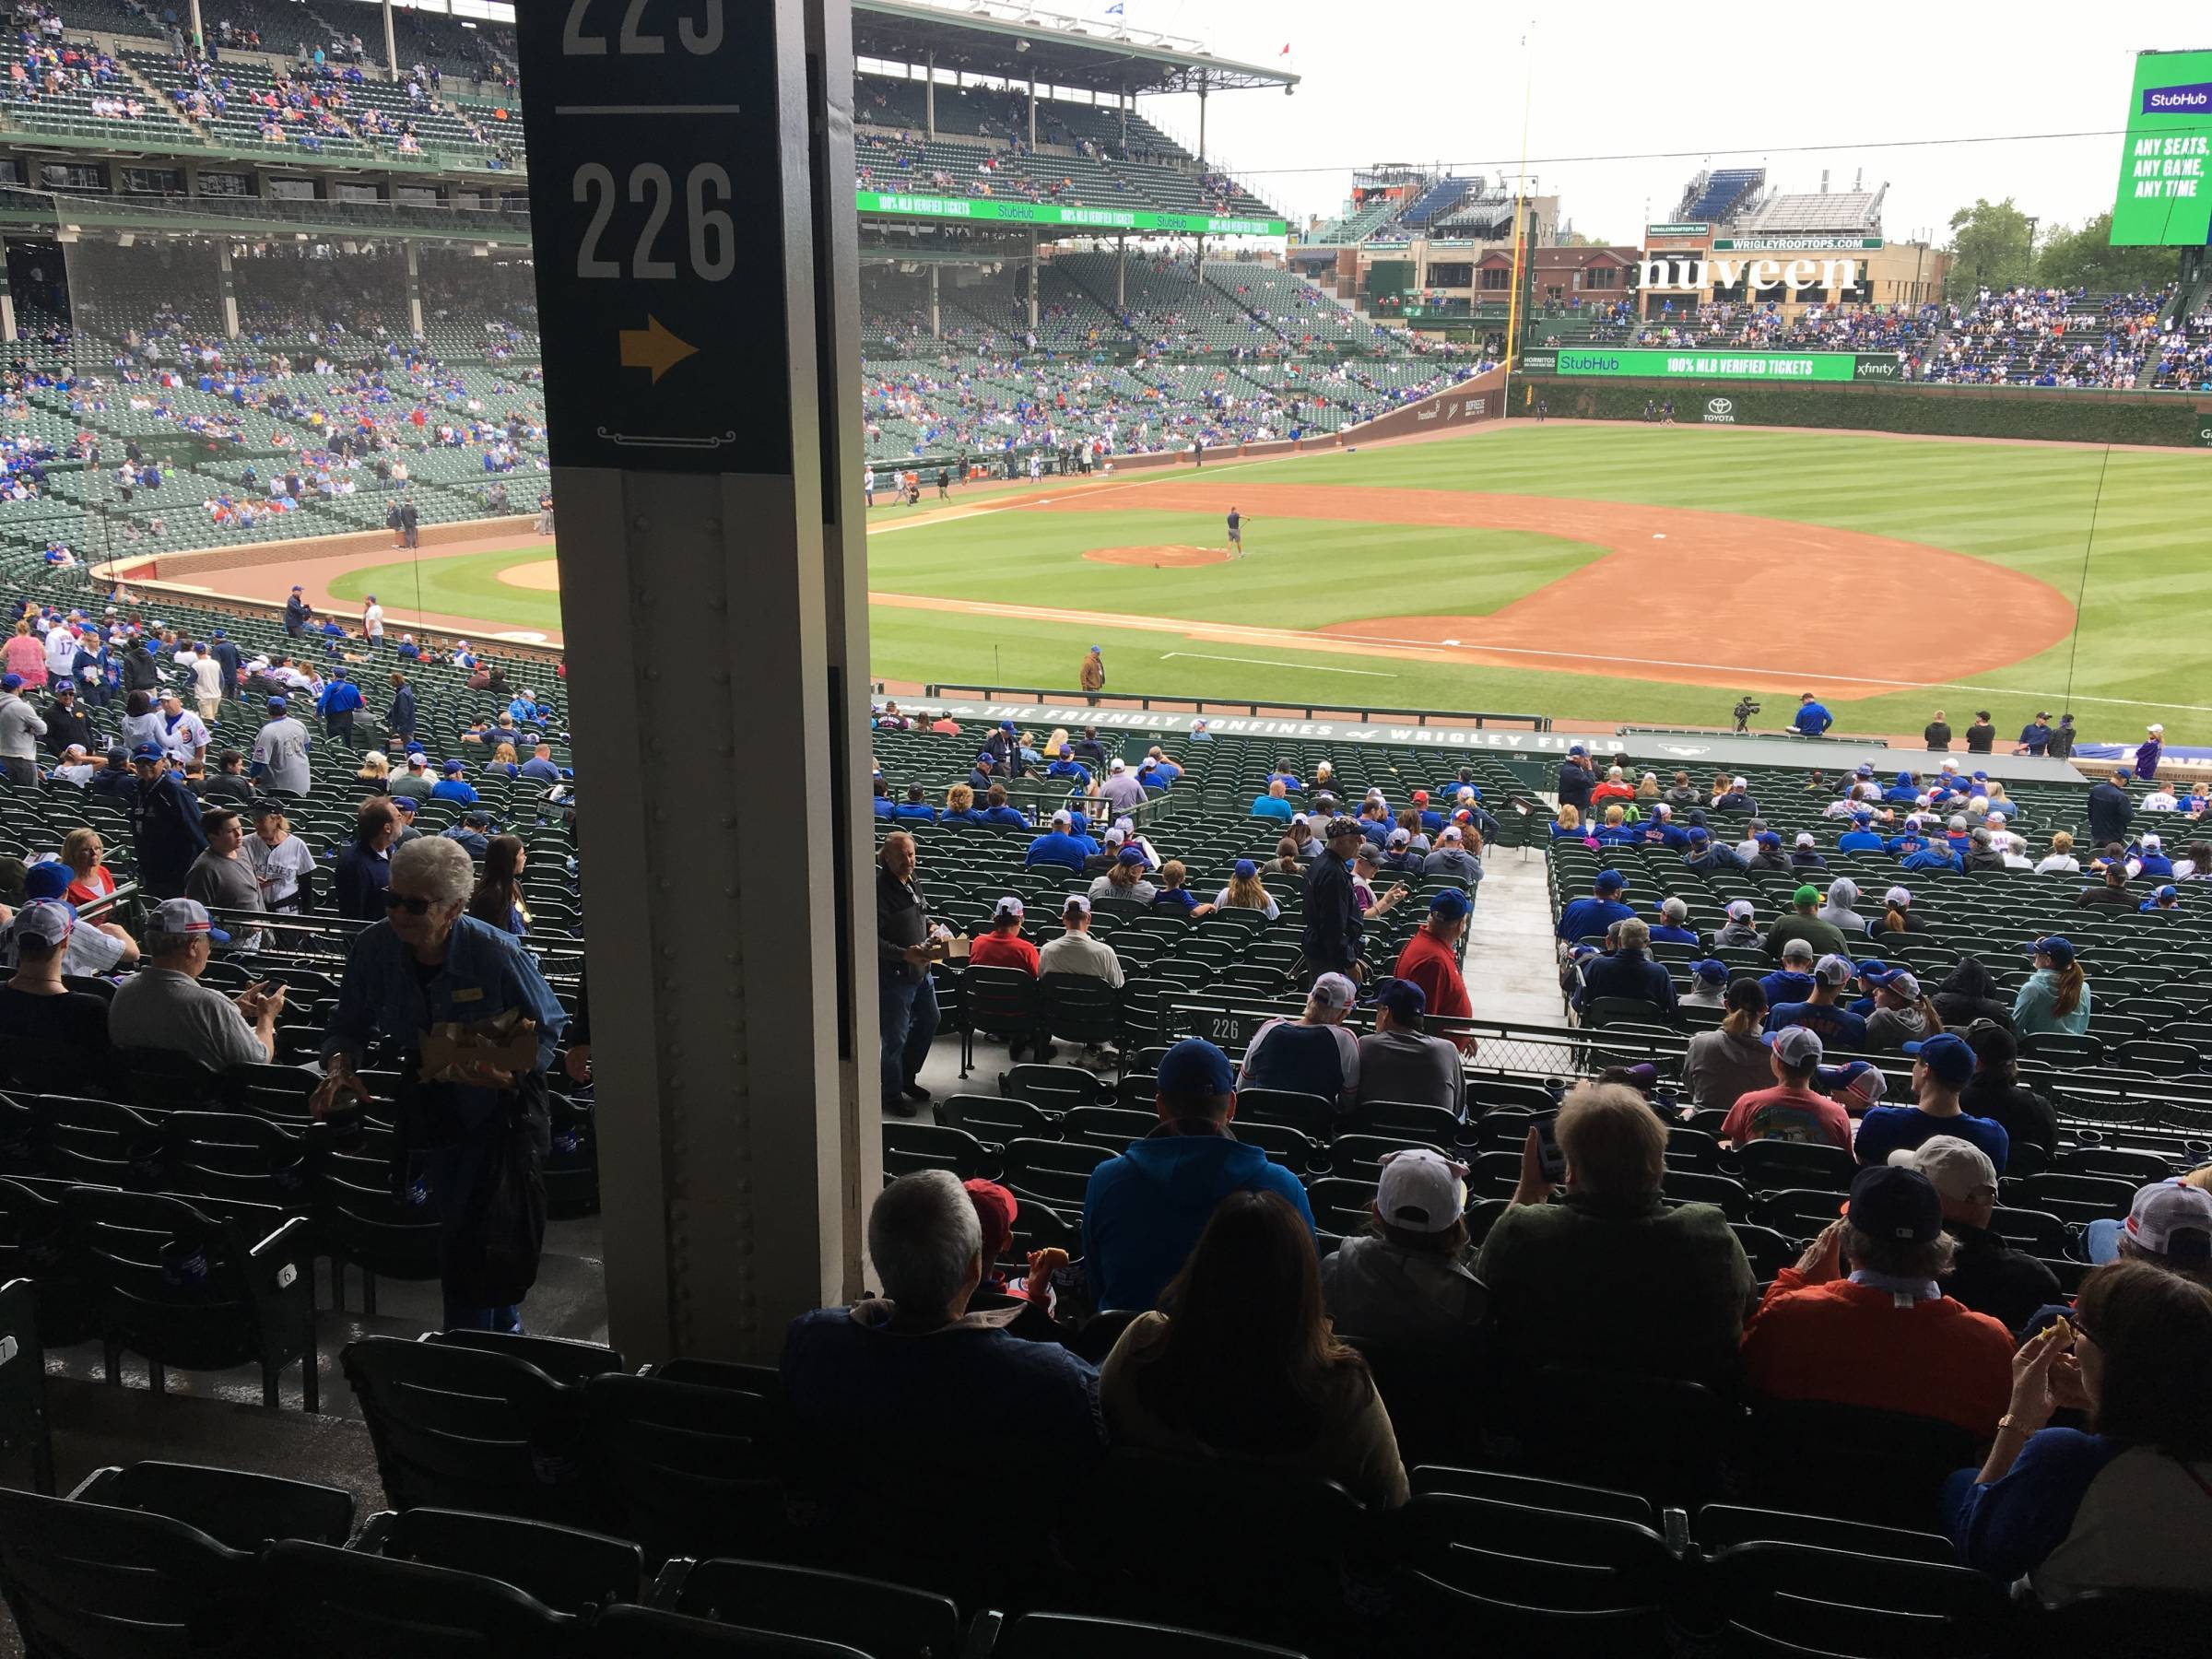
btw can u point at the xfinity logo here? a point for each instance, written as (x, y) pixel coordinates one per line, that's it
(1875, 368)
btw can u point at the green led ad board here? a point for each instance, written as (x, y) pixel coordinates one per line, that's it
(2165, 195)
(1073, 218)
(1726, 365)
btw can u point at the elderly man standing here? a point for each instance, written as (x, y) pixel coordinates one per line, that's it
(163, 1006)
(1333, 929)
(477, 1124)
(905, 945)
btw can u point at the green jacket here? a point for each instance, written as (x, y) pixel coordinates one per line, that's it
(1628, 1287)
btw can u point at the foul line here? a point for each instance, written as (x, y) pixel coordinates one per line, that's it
(1297, 639)
(1265, 663)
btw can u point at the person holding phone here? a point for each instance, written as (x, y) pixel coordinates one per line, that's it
(165, 1007)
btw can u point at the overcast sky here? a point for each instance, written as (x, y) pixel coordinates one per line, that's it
(1445, 83)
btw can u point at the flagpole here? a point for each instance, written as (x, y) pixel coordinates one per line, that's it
(1512, 306)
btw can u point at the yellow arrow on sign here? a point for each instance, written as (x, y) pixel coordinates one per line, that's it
(652, 347)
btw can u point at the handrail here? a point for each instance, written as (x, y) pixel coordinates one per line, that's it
(1171, 702)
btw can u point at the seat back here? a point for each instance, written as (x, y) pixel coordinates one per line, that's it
(1075, 1636)
(174, 1281)
(1000, 1001)
(1080, 1008)
(1798, 1598)
(563, 1567)
(1772, 1165)
(626, 1633)
(35, 1245)
(459, 1428)
(1308, 1113)
(85, 1581)
(687, 1469)
(239, 1510)
(348, 1603)
(884, 1621)
(560, 1358)
(1850, 1461)
(23, 1426)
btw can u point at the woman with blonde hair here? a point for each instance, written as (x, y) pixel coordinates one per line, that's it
(375, 772)
(1245, 891)
(1568, 826)
(89, 880)
(1614, 831)
(2060, 860)
(959, 807)
(1174, 896)
(1647, 787)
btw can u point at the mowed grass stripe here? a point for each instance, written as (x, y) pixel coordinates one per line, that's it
(2027, 508)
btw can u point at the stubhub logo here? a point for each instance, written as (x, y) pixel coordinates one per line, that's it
(2178, 100)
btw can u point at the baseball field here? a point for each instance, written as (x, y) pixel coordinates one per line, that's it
(1590, 572)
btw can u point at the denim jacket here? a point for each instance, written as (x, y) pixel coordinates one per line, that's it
(485, 973)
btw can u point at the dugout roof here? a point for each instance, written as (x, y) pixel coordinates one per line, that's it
(1016, 41)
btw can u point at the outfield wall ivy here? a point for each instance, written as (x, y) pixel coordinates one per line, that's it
(2166, 418)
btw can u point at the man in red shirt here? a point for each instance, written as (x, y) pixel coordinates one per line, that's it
(1431, 958)
(1885, 1336)
(1004, 946)
(1792, 1110)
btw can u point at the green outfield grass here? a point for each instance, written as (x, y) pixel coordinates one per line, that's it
(2143, 651)
(466, 586)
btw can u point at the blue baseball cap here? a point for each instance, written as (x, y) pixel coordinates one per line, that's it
(1710, 971)
(147, 751)
(405, 804)
(1945, 1055)
(453, 768)
(1862, 819)
(2167, 891)
(1005, 725)
(1578, 749)
(1610, 881)
(1405, 999)
(1194, 1066)
(1246, 869)
(48, 879)
(1450, 903)
(11, 682)
(2057, 947)
(1698, 835)
(1130, 855)
(277, 705)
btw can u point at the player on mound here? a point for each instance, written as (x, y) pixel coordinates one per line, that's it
(1236, 534)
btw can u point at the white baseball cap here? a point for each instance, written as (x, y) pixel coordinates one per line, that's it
(1740, 910)
(2157, 731)
(1117, 764)
(1740, 783)
(1421, 1190)
(1334, 990)
(1063, 816)
(1797, 1045)
(1805, 838)
(1078, 902)
(1008, 907)
(1958, 1168)
(45, 919)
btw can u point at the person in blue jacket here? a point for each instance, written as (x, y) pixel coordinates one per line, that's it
(1589, 918)
(914, 808)
(1905, 791)
(1812, 720)
(340, 701)
(882, 803)
(1059, 845)
(999, 811)
(1861, 836)
(453, 787)
(1144, 1210)
(1066, 766)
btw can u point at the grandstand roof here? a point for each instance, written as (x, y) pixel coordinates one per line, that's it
(992, 37)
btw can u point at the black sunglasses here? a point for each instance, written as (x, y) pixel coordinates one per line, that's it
(413, 907)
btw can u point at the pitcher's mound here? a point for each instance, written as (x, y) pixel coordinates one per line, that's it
(1160, 558)
(543, 576)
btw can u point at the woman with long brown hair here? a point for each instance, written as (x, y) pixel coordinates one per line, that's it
(1243, 1361)
(498, 895)
(2056, 995)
